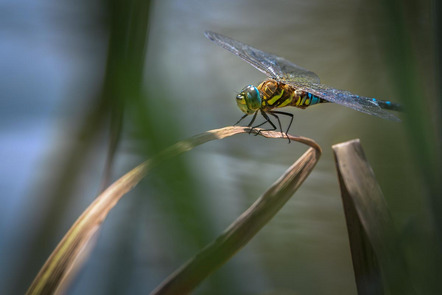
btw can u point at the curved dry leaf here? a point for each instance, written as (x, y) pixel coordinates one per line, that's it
(239, 233)
(61, 264)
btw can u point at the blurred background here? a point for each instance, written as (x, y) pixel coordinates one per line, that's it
(89, 89)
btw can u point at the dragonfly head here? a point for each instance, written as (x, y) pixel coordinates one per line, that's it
(249, 100)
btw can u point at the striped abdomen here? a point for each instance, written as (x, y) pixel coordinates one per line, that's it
(277, 95)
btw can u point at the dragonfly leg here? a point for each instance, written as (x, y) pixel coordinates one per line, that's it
(285, 114)
(242, 119)
(279, 122)
(267, 120)
(251, 122)
(259, 125)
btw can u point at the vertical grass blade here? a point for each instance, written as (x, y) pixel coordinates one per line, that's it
(377, 260)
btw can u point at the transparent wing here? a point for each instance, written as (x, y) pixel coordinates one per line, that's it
(273, 66)
(359, 103)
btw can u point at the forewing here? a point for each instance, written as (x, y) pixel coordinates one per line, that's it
(273, 66)
(359, 103)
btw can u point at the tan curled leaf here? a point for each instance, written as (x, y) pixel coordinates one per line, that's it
(71, 251)
(239, 233)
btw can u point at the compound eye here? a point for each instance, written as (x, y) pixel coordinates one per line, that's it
(251, 93)
(253, 98)
(249, 100)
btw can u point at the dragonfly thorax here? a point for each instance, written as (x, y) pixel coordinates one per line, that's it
(249, 100)
(276, 94)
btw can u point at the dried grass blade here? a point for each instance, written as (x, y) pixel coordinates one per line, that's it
(70, 252)
(377, 259)
(239, 233)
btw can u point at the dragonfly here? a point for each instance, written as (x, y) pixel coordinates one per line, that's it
(288, 84)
